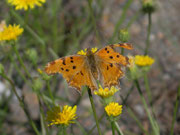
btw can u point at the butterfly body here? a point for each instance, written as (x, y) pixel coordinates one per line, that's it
(104, 65)
(92, 63)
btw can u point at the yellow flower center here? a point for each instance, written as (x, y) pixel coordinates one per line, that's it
(141, 60)
(113, 109)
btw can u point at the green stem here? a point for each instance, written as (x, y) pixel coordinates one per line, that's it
(13, 86)
(43, 97)
(64, 131)
(131, 113)
(30, 30)
(118, 129)
(53, 53)
(17, 68)
(91, 130)
(149, 93)
(120, 21)
(26, 18)
(124, 100)
(21, 61)
(94, 110)
(22, 104)
(44, 128)
(135, 16)
(113, 127)
(151, 119)
(175, 112)
(84, 90)
(50, 92)
(147, 88)
(60, 130)
(81, 127)
(93, 19)
(148, 34)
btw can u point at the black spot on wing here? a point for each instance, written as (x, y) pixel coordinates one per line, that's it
(74, 67)
(81, 73)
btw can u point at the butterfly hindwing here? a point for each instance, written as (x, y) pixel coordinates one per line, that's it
(82, 78)
(110, 73)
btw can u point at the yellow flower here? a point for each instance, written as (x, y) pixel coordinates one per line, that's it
(11, 32)
(25, 4)
(113, 109)
(106, 92)
(40, 71)
(93, 50)
(141, 60)
(64, 116)
(84, 52)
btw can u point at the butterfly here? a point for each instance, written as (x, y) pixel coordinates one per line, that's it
(104, 65)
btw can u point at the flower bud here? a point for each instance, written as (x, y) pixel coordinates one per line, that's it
(124, 35)
(37, 85)
(148, 6)
(32, 55)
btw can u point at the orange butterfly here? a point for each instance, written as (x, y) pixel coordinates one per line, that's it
(104, 65)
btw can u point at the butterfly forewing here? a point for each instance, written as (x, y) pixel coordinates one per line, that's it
(108, 54)
(74, 69)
